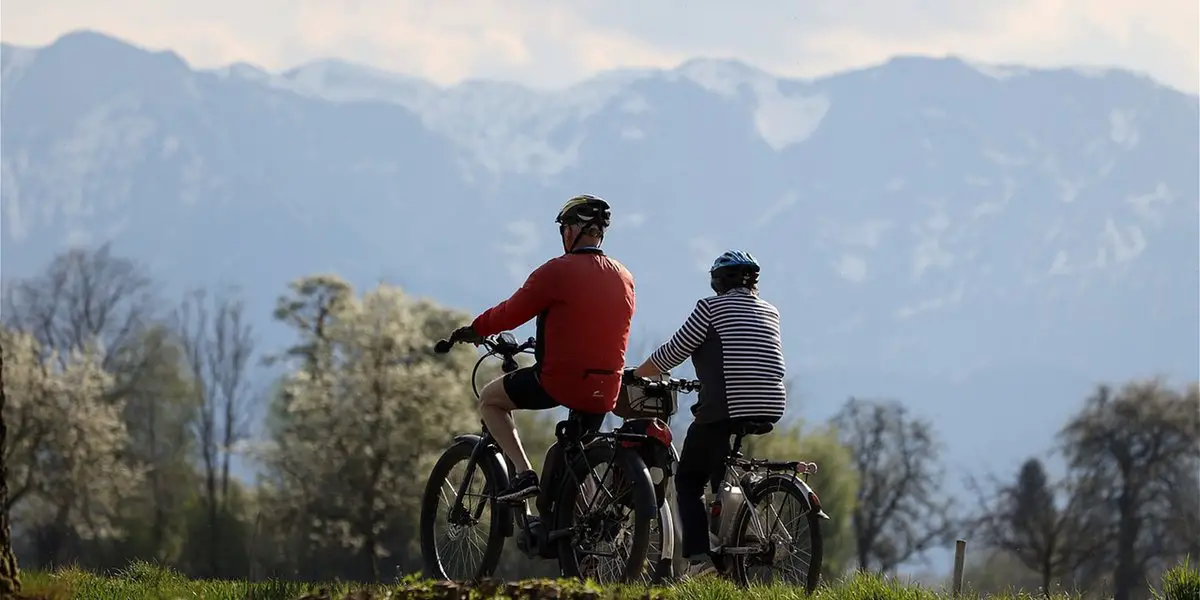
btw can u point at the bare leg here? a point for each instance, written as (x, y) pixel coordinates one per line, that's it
(496, 409)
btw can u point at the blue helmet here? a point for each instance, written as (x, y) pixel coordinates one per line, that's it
(734, 269)
(735, 258)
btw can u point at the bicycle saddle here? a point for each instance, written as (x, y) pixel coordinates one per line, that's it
(752, 428)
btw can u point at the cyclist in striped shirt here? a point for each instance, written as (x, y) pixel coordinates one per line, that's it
(734, 342)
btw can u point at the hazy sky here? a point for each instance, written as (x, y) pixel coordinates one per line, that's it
(555, 42)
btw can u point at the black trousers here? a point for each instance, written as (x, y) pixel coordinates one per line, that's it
(701, 462)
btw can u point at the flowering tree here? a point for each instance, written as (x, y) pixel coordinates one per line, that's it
(360, 419)
(65, 442)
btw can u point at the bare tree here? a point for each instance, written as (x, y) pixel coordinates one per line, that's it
(217, 346)
(83, 295)
(1137, 440)
(1027, 520)
(899, 514)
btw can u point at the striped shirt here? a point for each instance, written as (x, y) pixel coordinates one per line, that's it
(734, 342)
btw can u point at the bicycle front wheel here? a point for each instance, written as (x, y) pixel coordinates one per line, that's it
(460, 545)
(782, 535)
(608, 512)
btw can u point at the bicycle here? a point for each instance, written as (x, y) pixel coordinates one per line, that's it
(736, 530)
(555, 532)
(741, 474)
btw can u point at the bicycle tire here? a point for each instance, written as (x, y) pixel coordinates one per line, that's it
(458, 452)
(644, 510)
(742, 523)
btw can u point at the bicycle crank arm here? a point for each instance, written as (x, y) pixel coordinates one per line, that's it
(739, 551)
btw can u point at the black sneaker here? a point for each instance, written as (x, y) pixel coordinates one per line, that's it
(523, 487)
(699, 567)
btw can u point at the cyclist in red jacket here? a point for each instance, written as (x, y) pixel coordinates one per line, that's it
(583, 301)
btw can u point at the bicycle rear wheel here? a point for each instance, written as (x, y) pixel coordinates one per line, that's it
(785, 533)
(609, 513)
(465, 546)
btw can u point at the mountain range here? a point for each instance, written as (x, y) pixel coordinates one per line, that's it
(983, 242)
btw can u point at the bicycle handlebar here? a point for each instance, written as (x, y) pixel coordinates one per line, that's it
(503, 344)
(670, 385)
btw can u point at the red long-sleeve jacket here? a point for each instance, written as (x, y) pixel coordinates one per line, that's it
(584, 302)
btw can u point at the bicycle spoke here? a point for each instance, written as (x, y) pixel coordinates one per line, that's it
(774, 535)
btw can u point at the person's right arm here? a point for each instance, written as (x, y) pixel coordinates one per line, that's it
(526, 303)
(681, 345)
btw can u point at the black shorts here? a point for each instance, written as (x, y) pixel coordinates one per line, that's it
(524, 389)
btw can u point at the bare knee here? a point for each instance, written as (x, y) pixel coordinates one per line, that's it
(493, 396)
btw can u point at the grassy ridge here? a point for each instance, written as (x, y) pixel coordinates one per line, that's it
(144, 581)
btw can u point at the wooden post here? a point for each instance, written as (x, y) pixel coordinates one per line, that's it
(960, 550)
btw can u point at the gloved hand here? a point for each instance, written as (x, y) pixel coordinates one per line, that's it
(627, 376)
(466, 334)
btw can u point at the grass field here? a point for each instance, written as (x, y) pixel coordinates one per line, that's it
(148, 582)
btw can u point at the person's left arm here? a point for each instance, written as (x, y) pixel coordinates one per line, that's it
(534, 296)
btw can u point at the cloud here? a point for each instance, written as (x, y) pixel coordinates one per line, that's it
(549, 43)
(704, 250)
(525, 238)
(852, 268)
(932, 304)
(537, 41)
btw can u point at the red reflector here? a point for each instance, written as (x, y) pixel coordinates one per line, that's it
(660, 432)
(628, 444)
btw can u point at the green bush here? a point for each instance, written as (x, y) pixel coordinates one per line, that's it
(1181, 582)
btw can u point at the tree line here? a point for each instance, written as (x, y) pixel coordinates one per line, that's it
(123, 415)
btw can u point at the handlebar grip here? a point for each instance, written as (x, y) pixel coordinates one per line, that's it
(442, 346)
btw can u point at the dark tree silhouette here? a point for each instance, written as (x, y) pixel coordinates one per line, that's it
(900, 513)
(1026, 519)
(1138, 440)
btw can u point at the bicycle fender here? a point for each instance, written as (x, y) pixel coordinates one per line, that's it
(635, 468)
(810, 497)
(814, 501)
(493, 461)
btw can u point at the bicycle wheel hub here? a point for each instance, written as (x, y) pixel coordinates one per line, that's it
(460, 517)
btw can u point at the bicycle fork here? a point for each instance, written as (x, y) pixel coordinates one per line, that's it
(458, 512)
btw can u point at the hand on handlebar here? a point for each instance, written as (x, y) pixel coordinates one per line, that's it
(502, 344)
(462, 334)
(466, 334)
(628, 377)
